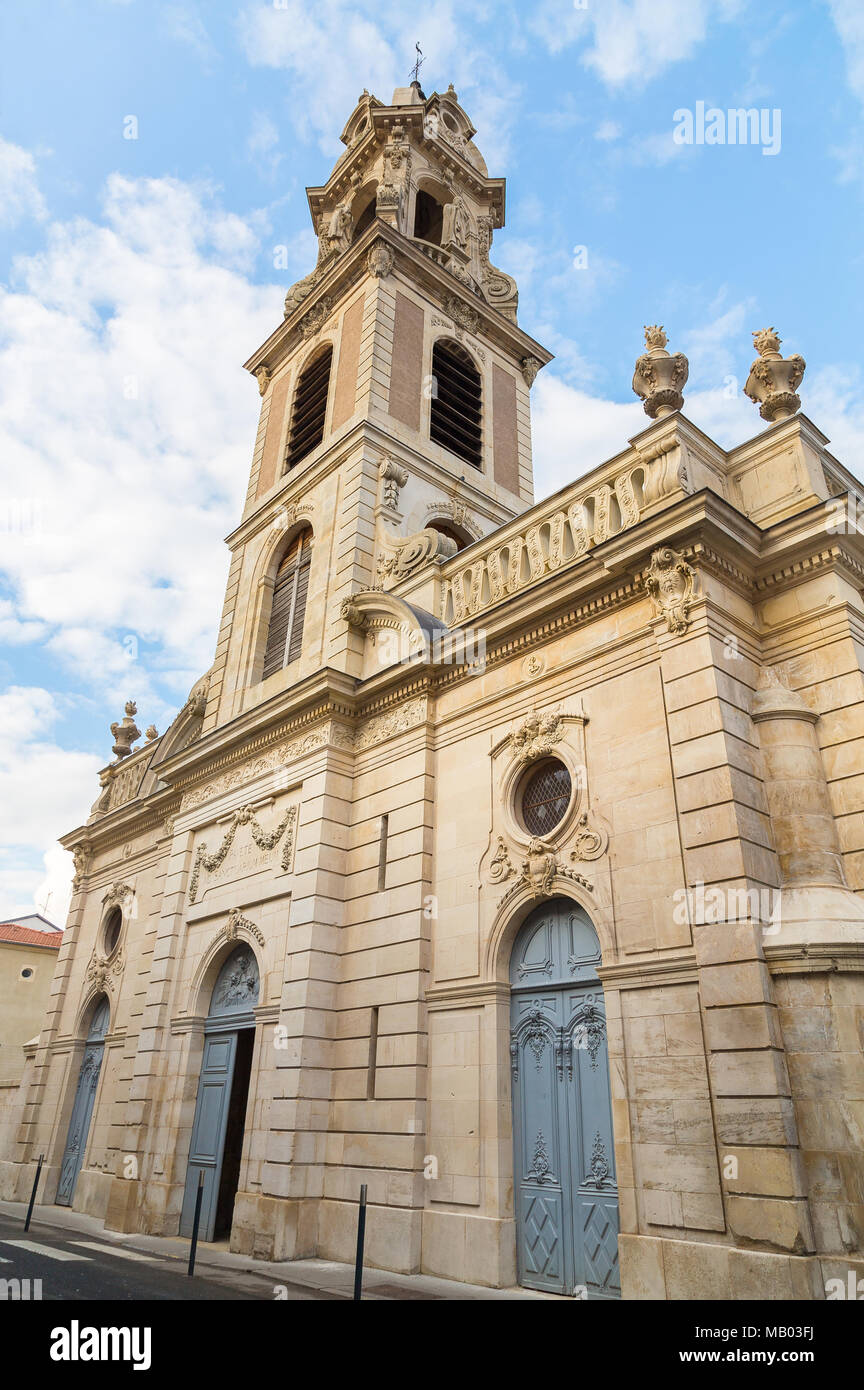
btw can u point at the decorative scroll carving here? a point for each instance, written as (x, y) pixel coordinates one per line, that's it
(263, 839)
(599, 1170)
(418, 550)
(102, 972)
(540, 869)
(501, 866)
(236, 920)
(352, 615)
(670, 582)
(536, 735)
(590, 1029)
(316, 317)
(590, 841)
(462, 313)
(263, 378)
(247, 772)
(298, 292)
(116, 894)
(393, 477)
(394, 721)
(541, 1170)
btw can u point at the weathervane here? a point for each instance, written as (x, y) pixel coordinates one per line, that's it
(418, 64)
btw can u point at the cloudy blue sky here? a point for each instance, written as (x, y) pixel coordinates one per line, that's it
(136, 275)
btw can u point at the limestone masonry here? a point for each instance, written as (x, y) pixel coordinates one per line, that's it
(509, 857)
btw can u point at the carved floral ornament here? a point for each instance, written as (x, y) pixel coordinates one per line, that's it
(537, 734)
(235, 923)
(116, 895)
(102, 974)
(671, 585)
(380, 260)
(265, 840)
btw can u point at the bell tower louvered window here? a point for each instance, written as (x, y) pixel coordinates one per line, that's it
(285, 635)
(310, 408)
(456, 403)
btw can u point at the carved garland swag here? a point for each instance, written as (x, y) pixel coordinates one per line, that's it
(263, 839)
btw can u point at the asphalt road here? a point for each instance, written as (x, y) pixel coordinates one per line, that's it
(76, 1266)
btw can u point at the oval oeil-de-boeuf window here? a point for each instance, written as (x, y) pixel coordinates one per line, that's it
(544, 797)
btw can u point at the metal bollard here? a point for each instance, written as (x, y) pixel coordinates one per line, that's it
(361, 1235)
(195, 1224)
(33, 1193)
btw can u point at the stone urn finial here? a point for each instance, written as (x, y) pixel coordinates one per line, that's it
(774, 379)
(660, 375)
(126, 732)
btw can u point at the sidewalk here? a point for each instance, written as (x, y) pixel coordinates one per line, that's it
(325, 1275)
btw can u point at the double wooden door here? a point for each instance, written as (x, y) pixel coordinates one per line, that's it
(566, 1194)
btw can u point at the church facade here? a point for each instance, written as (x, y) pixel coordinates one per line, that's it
(508, 858)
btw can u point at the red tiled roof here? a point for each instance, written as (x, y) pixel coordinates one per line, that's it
(25, 936)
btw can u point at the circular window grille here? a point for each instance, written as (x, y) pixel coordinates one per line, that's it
(26, 973)
(112, 930)
(545, 798)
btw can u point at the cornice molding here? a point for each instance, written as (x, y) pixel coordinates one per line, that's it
(350, 268)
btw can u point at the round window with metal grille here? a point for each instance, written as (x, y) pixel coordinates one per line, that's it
(545, 797)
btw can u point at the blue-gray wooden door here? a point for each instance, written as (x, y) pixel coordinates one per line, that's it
(82, 1108)
(566, 1194)
(234, 997)
(208, 1132)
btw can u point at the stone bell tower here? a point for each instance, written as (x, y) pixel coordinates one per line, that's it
(394, 426)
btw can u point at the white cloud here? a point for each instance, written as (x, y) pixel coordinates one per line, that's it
(262, 145)
(183, 23)
(333, 50)
(45, 790)
(607, 131)
(124, 406)
(718, 348)
(848, 17)
(630, 41)
(20, 197)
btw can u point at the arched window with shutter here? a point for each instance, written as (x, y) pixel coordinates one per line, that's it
(288, 609)
(310, 407)
(456, 402)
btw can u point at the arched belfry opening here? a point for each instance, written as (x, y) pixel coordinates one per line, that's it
(457, 402)
(288, 605)
(564, 1181)
(85, 1099)
(219, 1125)
(428, 217)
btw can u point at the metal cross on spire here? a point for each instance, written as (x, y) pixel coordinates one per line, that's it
(418, 63)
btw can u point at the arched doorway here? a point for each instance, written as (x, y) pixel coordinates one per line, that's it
(223, 1091)
(566, 1194)
(82, 1108)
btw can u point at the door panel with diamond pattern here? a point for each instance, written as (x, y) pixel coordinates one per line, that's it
(566, 1192)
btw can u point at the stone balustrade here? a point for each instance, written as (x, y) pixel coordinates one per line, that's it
(544, 539)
